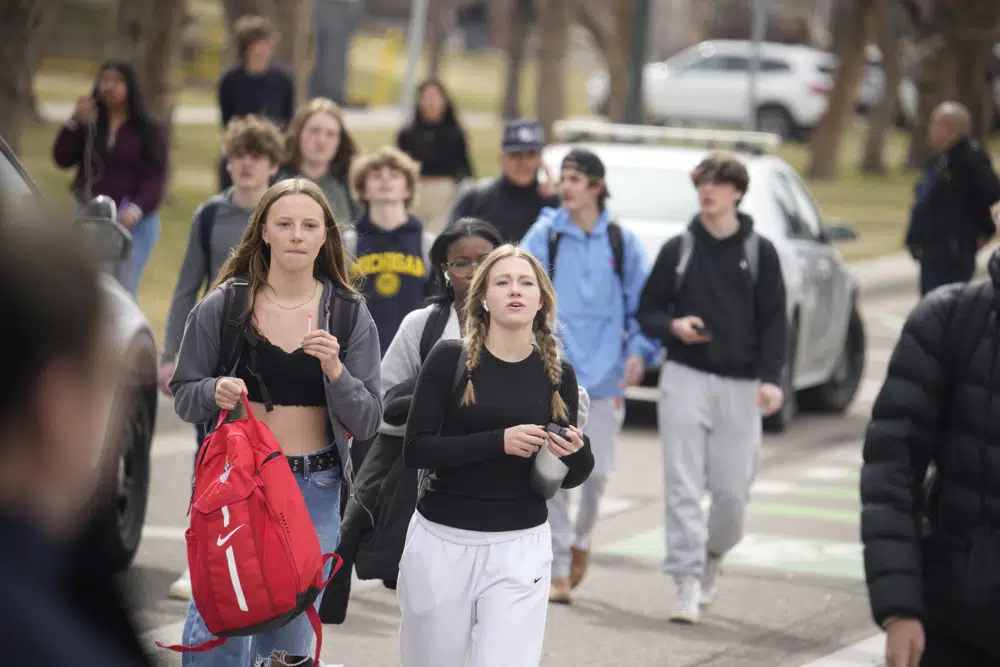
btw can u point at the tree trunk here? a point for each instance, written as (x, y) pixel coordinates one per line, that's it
(880, 120)
(826, 139)
(148, 34)
(620, 45)
(36, 54)
(296, 46)
(521, 16)
(234, 9)
(935, 79)
(972, 46)
(20, 30)
(436, 35)
(553, 38)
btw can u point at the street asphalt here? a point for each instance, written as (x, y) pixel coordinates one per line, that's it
(791, 594)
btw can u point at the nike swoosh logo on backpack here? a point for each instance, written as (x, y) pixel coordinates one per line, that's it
(222, 540)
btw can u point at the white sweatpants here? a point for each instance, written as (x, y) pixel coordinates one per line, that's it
(473, 599)
(710, 429)
(604, 424)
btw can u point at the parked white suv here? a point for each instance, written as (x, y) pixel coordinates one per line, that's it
(708, 83)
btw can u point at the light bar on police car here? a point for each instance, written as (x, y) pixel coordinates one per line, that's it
(591, 130)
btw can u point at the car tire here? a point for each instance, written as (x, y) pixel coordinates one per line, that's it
(779, 421)
(776, 119)
(837, 393)
(125, 494)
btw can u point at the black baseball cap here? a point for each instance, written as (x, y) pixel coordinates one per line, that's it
(523, 136)
(584, 161)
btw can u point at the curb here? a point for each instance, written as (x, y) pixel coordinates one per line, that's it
(896, 274)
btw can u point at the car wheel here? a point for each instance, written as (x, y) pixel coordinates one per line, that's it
(836, 394)
(776, 120)
(122, 512)
(780, 420)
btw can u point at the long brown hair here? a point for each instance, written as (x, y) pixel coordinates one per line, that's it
(477, 325)
(340, 165)
(251, 259)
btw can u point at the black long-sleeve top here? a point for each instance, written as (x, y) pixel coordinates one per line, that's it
(440, 149)
(473, 483)
(747, 319)
(270, 94)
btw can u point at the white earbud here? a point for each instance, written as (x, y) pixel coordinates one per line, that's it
(485, 307)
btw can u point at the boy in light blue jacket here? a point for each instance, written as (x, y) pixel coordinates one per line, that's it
(598, 269)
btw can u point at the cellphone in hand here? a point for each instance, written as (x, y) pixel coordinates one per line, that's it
(561, 431)
(702, 330)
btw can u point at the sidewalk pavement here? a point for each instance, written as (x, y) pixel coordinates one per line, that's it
(371, 118)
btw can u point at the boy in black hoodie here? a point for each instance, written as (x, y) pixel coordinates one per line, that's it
(390, 245)
(716, 298)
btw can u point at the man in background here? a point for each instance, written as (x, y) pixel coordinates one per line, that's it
(950, 218)
(512, 201)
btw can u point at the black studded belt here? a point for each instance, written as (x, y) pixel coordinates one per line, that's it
(314, 462)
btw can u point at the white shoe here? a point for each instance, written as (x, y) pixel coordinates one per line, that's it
(181, 589)
(710, 580)
(687, 607)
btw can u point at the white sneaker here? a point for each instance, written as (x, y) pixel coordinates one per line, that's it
(181, 589)
(710, 580)
(687, 605)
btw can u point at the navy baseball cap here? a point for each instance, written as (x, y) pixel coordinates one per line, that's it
(523, 136)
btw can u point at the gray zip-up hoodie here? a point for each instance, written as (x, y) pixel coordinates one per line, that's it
(353, 401)
(227, 231)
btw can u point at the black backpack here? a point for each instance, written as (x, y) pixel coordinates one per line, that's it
(614, 239)
(433, 328)
(617, 243)
(344, 307)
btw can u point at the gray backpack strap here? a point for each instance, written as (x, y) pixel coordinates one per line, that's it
(751, 248)
(687, 248)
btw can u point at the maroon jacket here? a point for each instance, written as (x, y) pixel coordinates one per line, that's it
(120, 174)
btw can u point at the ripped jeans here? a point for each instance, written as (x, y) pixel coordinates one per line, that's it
(321, 491)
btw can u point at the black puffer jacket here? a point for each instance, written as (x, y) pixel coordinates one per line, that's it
(373, 530)
(937, 407)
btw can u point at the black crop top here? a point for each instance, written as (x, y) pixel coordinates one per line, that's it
(275, 377)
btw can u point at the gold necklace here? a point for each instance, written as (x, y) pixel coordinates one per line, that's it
(315, 287)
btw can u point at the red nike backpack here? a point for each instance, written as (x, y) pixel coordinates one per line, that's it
(253, 551)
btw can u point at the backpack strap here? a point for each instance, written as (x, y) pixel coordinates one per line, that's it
(206, 223)
(463, 358)
(554, 238)
(751, 250)
(344, 307)
(433, 328)
(617, 241)
(683, 259)
(234, 319)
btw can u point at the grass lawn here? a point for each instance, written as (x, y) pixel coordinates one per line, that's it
(877, 206)
(376, 74)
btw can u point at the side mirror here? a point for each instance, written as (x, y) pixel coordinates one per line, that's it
(100, 232)
(839, 232)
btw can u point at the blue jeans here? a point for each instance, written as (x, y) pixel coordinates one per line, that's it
(144, 236)
(321, 491)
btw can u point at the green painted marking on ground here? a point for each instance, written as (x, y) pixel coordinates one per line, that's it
(768, 489)
(804, 512)
(827, 558)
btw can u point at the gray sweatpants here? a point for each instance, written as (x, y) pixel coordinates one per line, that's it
(604, 423)
(710, 429)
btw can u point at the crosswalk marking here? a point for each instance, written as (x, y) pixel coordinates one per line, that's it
(825, 493)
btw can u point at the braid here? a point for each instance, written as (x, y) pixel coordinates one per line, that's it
(475, 338)
(549, 347)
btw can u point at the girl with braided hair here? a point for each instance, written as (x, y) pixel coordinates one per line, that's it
(474, 576)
